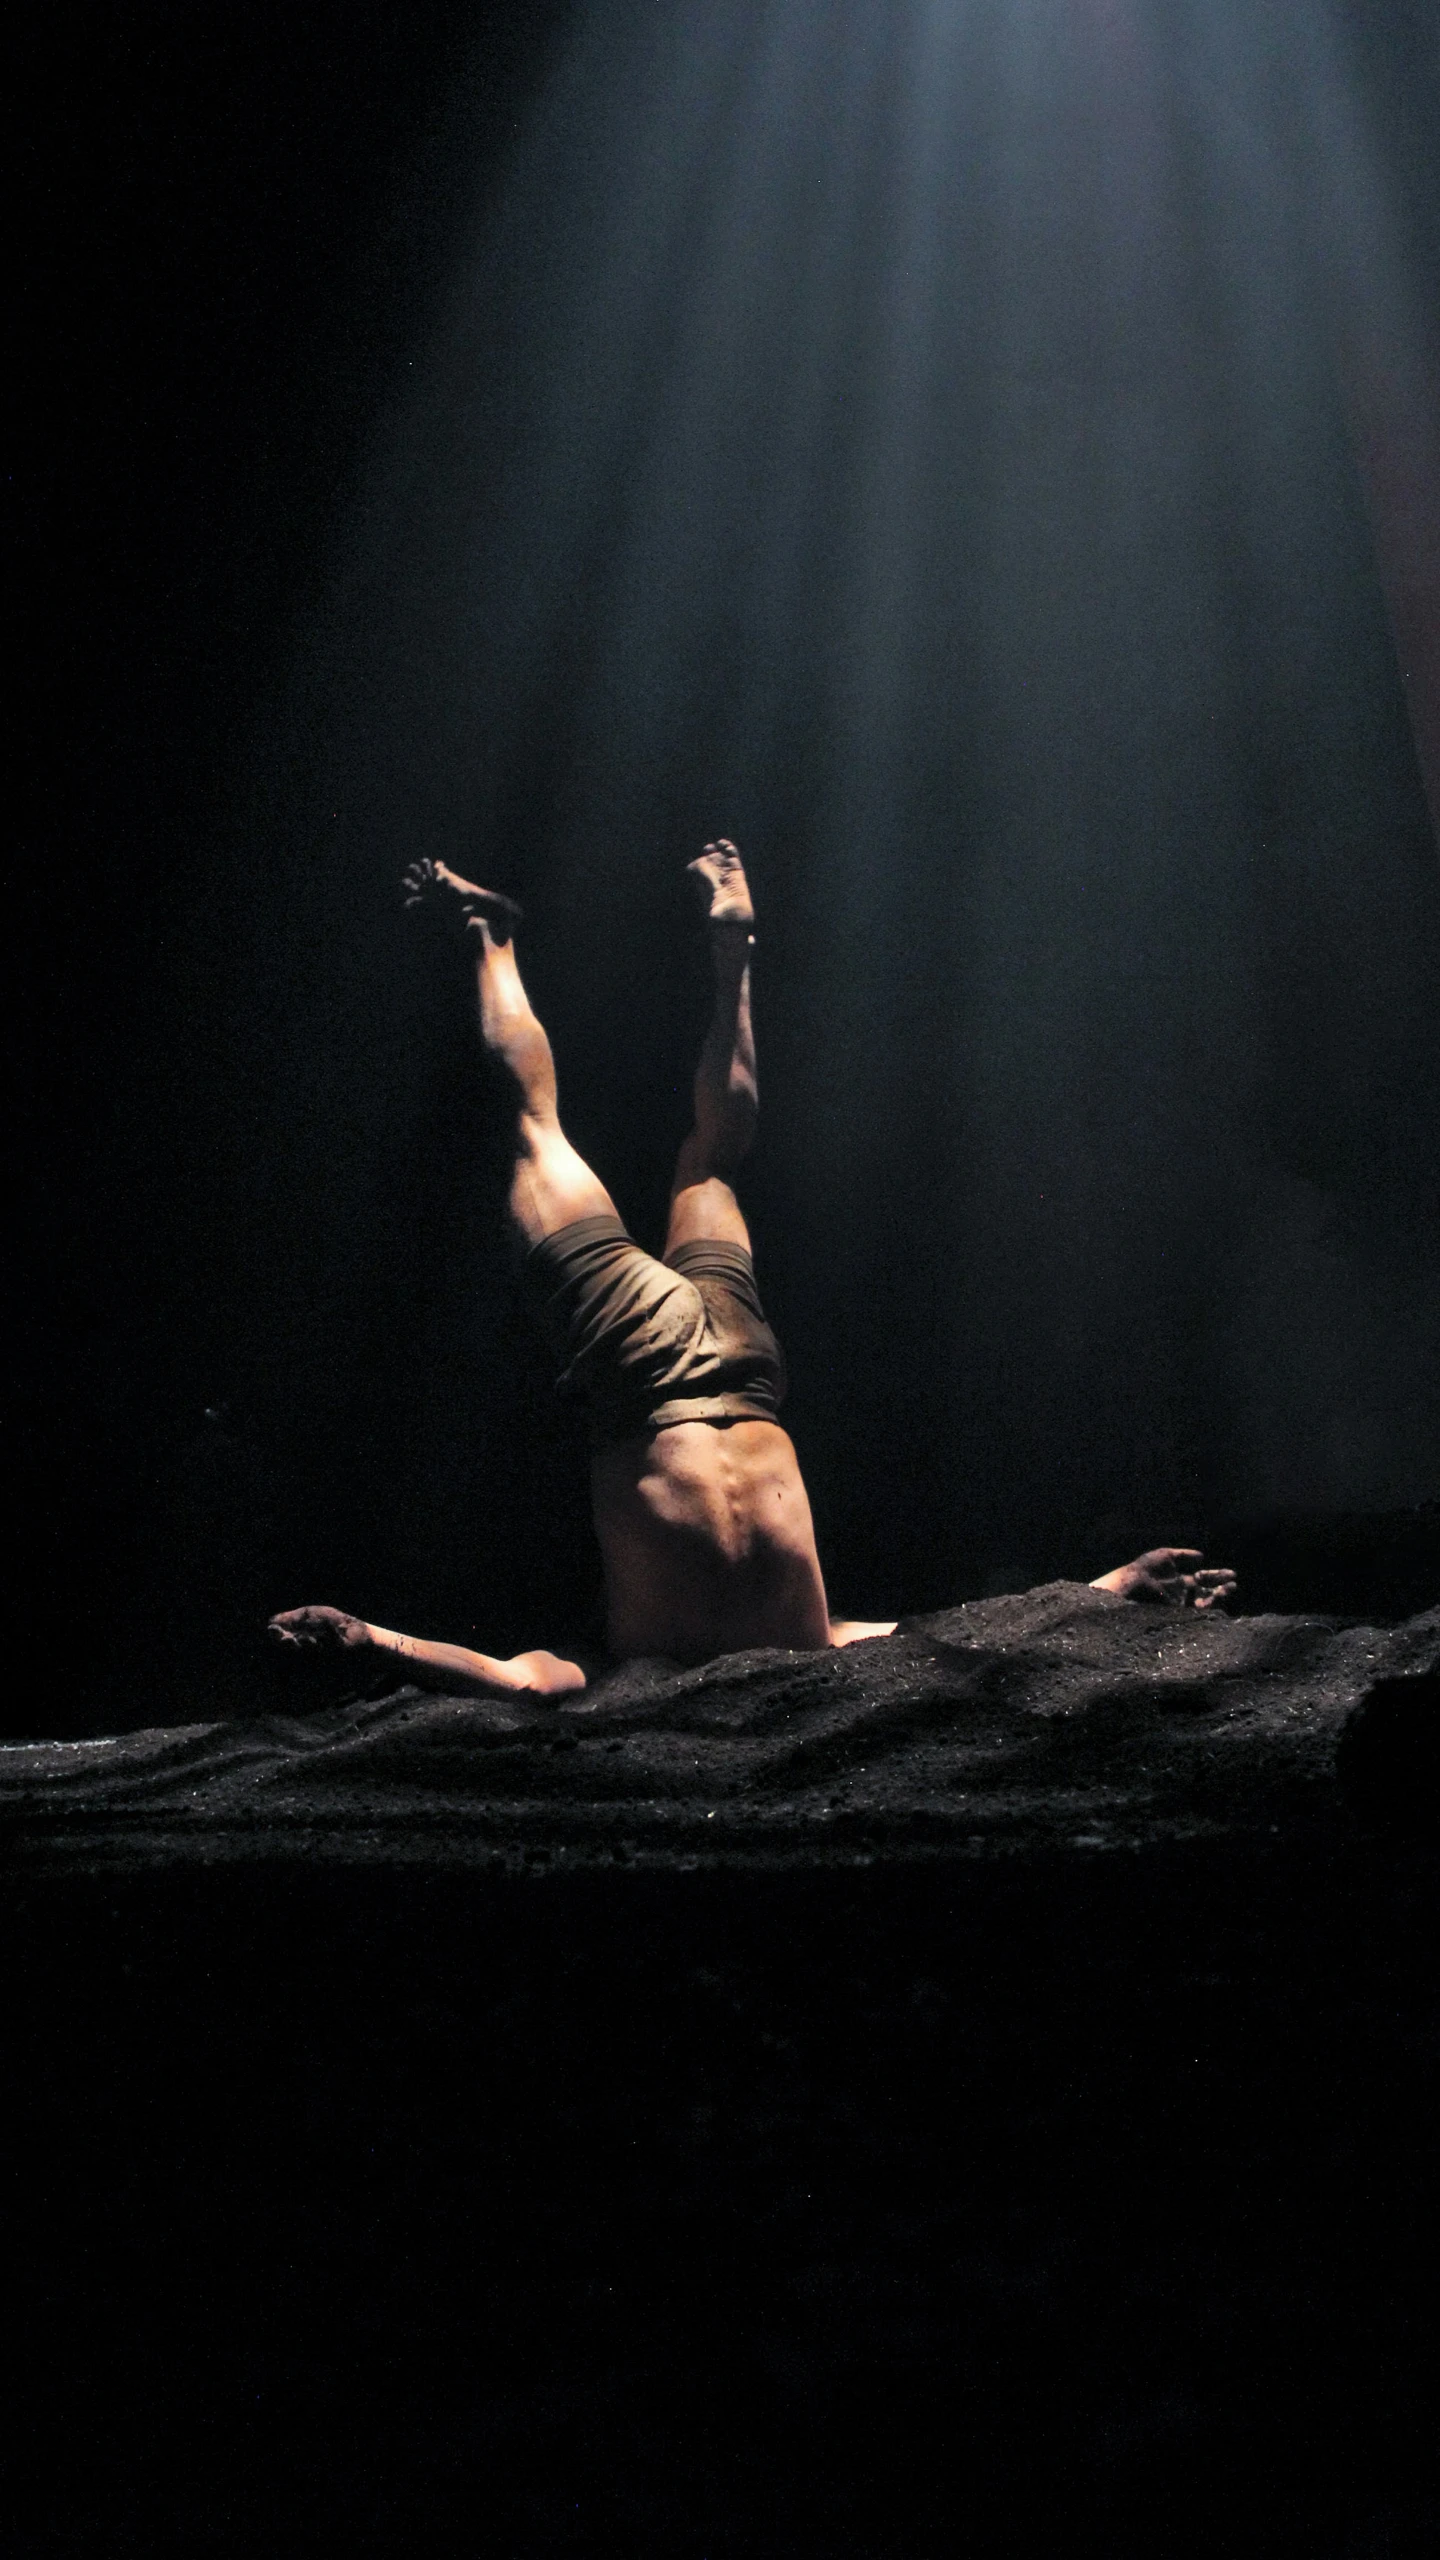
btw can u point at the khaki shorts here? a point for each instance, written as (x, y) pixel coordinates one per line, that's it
(646, 1344)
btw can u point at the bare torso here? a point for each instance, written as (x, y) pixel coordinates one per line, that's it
(708, 1542)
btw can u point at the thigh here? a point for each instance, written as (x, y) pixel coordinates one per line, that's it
(552, 1186)
(703, 1208)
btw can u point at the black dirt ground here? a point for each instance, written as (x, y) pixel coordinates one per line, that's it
(867, 2184)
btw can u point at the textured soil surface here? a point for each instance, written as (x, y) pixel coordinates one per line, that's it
(1059, 1717)
(976, 2093)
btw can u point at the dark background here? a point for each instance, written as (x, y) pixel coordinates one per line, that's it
(232, 232)
(1046, 2205)
(1099, 1197)
(1086, 2206)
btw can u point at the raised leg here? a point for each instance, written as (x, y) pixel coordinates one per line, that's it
(727, 1101)
(551, 1185)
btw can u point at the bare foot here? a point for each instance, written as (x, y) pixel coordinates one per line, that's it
(321, 1630)
(722, 888)
(1170, 1576)
(442, 892)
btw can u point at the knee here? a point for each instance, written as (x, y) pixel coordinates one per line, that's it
(551, 1185)
(704, 1205)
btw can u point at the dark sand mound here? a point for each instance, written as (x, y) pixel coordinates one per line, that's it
(972, 2093)
(1061, 1718)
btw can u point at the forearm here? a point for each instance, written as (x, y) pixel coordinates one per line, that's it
(455, 1666)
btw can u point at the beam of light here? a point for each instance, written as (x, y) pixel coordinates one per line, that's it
(907, 437)
(1388, 333)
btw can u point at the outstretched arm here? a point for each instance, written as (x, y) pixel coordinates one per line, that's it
(451, 1667)
(1172, 1576)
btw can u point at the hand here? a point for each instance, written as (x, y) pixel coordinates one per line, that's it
(1172, 1578)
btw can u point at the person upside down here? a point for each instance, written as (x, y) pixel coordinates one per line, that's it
(699, 1505)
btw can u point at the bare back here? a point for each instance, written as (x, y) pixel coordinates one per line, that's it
(708, 1542)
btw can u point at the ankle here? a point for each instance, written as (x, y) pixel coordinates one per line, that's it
(730, 948)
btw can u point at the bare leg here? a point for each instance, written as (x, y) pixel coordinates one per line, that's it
(727, 1099)
(450, 1667)
(1170, 1576)
(551, 1184)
